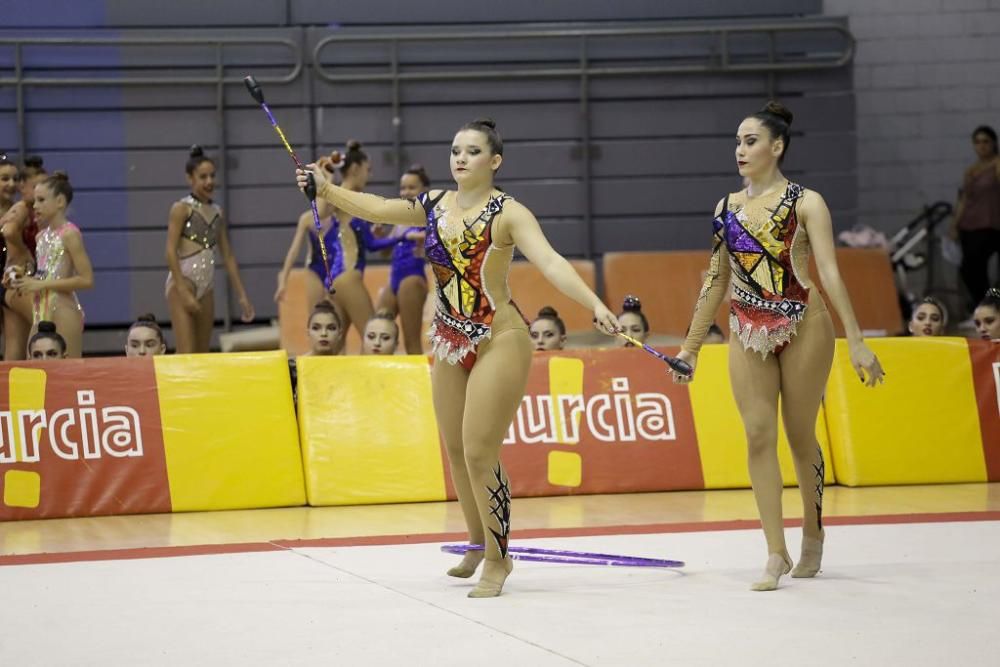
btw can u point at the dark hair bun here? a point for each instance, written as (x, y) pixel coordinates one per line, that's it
(60, 175)
(197, 151)
(416, 166)
(548, 311)
(384, 314)
(46, 327)
(488, 122)
(34, 161)
(780, 110)
(353, 145)
(146, 317)
(631, 304)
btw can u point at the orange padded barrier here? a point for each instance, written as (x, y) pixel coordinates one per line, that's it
(531, 292)
(667, 283)
(867, 274)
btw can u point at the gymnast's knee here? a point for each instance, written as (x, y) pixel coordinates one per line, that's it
(761, 440)
(480, 456)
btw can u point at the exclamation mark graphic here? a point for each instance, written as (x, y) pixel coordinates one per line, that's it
(566, 392)
(23, 488)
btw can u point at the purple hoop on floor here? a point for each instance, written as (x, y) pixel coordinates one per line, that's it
(568, 557)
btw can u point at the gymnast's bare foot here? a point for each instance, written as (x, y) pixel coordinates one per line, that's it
(811, 559)
(467, 568)
(492, 580)
(777, 566)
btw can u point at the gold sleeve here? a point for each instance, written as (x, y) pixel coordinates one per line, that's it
(713, 291)
(373, 208)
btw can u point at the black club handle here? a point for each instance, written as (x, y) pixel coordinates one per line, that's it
(254, 89)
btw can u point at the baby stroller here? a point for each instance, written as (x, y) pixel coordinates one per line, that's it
(910, 249)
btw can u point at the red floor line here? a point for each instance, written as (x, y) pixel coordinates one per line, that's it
(423, 538)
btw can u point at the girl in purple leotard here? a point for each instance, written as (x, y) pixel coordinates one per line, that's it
(406, 293)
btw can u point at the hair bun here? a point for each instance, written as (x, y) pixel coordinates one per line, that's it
(34, 161)
(780, 110)
(46, 327)
(336, 160)
(488, 122)
(146, 317)
(60, 175)
(993, 293)
(353, 145)
(416, 166)
(631, 304)
(548, 311)
(197, 151)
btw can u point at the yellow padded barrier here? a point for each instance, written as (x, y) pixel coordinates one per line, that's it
(920, 427)
(229, 431)
(368, 430)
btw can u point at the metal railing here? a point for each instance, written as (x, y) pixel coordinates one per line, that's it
(720, 59)
(219, 79)
(721, 56)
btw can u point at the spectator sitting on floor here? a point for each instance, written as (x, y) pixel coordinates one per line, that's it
(145, 338)
(632, 320)
(381, 334)
(548, 331)
(46, 344)
(715, 335)
(986, 317)
(929, 318)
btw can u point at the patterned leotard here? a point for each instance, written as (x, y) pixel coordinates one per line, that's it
(470, 271)
(768, 252)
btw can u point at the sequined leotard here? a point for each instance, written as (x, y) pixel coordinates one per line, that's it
(202, 228)
(470, 271)
(760, 245)
(334, 252)
(53, 264)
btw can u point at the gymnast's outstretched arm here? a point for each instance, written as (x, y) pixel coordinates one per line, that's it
(519, 225)
(713, 290)
(362, 205)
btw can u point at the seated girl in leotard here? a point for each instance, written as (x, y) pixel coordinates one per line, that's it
(633, 321)
(381, 334)
(145, 338)
(46, 344)
(548, 332)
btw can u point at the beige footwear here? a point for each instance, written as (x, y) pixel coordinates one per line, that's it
(492, 580)
(778, 565)
(810, 560)
(468, 566)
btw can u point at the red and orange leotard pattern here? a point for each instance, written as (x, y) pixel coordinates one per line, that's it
(768, 260)
(470, 270)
